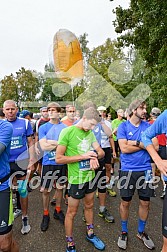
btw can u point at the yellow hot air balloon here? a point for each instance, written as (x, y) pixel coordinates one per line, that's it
(68, 59)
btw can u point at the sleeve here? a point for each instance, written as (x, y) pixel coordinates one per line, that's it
(29, 131)
(157, 128)
(121, 133)
(42, 132)
(6, 131)
(63, 137)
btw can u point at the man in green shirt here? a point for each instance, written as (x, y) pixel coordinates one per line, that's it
(77, 147)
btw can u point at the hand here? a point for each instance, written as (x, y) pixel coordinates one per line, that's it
(89, 155)
(162, 166)
(115, 131)
(114, 154)
(94, 164)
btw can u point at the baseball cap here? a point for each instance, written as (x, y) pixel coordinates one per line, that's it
(120, 112)
(101, 108)
(24, 113)
(155, 111)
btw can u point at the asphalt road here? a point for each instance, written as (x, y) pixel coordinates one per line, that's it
(53, 240)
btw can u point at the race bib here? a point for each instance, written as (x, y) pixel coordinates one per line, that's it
(51, 155)
(84, 165)
(16, 142)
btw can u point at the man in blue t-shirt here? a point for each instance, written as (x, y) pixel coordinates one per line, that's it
(135, 172)
(51, 171)
(157, 128)
(21, 156)
(7, 242)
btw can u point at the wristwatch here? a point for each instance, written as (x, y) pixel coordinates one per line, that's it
(137, 143)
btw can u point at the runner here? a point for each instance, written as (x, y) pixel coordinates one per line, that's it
(48, 139)
(135, 173)
(74, 149)
(7, 243)
(157, 128)
(21, 158)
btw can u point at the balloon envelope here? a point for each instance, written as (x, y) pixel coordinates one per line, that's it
(68, 60)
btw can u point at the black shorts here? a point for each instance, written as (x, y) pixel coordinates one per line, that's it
(101, 177)
(19, 169)
(6, 211)
(79, 191)
(130, 181)
(52, 173)
(108, 155)
(164, 216)
(116, 147)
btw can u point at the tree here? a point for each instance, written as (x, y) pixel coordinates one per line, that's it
(24, 86)
(143, 26)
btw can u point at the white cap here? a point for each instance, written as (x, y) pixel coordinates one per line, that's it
(101, 108)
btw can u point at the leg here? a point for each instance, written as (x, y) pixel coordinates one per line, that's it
(88, 207)
(7, 243)
(71, 213)
(45, 198)
(164, 248)
(144, 209)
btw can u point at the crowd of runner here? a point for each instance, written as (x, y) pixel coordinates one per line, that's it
(75, 156)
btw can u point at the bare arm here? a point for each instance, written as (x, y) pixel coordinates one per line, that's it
(127, 148)
(98, 149)
(32, 158)
(48, 144)
(112, 146)
(161, 164)
(106, 129)
(141, 145)
(62, 159)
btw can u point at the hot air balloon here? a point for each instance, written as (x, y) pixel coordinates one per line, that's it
(68, 59)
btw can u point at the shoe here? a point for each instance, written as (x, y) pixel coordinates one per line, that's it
(17, 213)
(96, 241)
(71, 249)
(53, 202)
(106, 215)
(162, 195)
(25, 226)
(45, 223)
(111, 192)
(146, 240)
(123, 240)
(59, 216)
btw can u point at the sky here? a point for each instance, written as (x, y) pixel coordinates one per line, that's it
(27, 28)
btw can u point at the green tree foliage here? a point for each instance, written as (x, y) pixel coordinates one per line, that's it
(22, 87)
(143, 26)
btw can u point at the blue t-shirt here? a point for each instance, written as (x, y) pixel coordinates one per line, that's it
(6, 131)
(97, 132)
(139, 160)
(50, 131)
(19, 147)
(157, 128)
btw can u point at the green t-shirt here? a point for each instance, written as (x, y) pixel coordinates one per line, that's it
(77, 142)
(114, 124)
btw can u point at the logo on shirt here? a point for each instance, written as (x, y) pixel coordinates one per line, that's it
(3, 224)
(130, 133)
